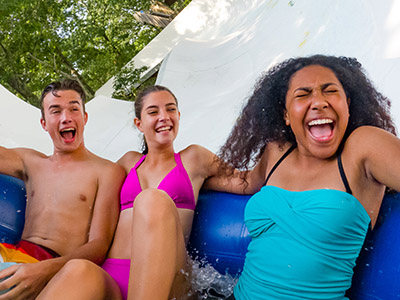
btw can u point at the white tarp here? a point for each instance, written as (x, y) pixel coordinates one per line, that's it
(212, 77)
(215, 50)
(20, 124)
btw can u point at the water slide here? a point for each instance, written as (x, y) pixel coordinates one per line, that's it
(213, 52)
(210, 56)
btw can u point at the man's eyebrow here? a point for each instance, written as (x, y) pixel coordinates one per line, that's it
(75, 102)
(54, 106)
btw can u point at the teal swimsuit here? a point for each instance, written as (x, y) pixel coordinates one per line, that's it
(304, 244)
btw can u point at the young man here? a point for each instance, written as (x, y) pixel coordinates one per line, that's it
(72, 196)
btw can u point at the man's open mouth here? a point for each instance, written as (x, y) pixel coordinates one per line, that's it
(68, 133)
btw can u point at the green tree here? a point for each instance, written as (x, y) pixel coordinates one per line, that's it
(90, 40)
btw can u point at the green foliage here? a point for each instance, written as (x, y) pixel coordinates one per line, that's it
(179, 5)
(126, 82)
(130, 80)
(90, 40)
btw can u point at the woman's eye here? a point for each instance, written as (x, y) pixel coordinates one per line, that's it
(331, 91)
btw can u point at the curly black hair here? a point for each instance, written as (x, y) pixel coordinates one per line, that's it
(262, 122)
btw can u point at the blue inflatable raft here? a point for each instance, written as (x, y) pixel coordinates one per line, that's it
(220, 238)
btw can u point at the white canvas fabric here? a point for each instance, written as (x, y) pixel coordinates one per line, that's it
(212, 54)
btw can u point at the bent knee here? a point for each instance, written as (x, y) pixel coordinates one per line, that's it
(153, 199)
(78, 273)
(79, 267)
(153, 205)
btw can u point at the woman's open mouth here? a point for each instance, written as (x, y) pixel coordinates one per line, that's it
(321, 129)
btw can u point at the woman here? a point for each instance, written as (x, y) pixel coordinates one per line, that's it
(158, 199)
(324, 144)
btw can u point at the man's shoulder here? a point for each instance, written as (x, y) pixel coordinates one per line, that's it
(102, 162)
(105, 170)
(28, 153)
(30, 158)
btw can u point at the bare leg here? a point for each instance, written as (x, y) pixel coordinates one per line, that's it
(158, 248)
(81, 279)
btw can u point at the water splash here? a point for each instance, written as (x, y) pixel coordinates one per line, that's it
(208, 283)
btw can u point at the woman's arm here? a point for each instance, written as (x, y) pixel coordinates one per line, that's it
(203, 167)
(378, 152)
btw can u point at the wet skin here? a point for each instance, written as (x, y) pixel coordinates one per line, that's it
(72, 195)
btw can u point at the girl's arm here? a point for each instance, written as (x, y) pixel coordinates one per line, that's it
(379, 155)
(206, 164)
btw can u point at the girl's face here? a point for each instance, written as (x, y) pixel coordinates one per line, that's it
(159, 119)
(317, 110)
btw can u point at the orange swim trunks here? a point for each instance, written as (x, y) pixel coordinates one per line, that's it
(25, 252)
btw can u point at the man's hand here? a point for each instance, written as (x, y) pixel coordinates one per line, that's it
(26, 280)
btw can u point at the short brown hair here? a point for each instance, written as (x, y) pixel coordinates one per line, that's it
(62, 85)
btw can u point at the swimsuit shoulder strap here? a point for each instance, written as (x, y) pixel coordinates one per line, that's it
(343, 174)
(178, 159)
(139, 162)
(279, 162)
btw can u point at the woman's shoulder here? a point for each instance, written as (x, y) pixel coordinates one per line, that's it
(366, 130)
(367, 135)
(367, 140)
(196, 152)
(129, 159)
(198, 160)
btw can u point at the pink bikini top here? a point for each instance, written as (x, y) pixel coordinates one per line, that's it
(176, 184)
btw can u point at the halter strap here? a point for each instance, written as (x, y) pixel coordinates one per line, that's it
(279, 162)
(343, 174)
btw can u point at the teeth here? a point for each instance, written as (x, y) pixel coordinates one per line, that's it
(320, 122)
(68, 129)
(165, 128)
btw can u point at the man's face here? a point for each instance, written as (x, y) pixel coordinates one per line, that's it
(64, 119)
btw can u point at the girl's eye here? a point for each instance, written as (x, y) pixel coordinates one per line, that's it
(301, 95)
(152, 112)
(331, 91)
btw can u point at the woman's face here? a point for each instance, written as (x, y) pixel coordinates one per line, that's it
(159, 119)
(317, 110)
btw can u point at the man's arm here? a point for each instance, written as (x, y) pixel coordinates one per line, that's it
(11, 161)
(29, 279)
